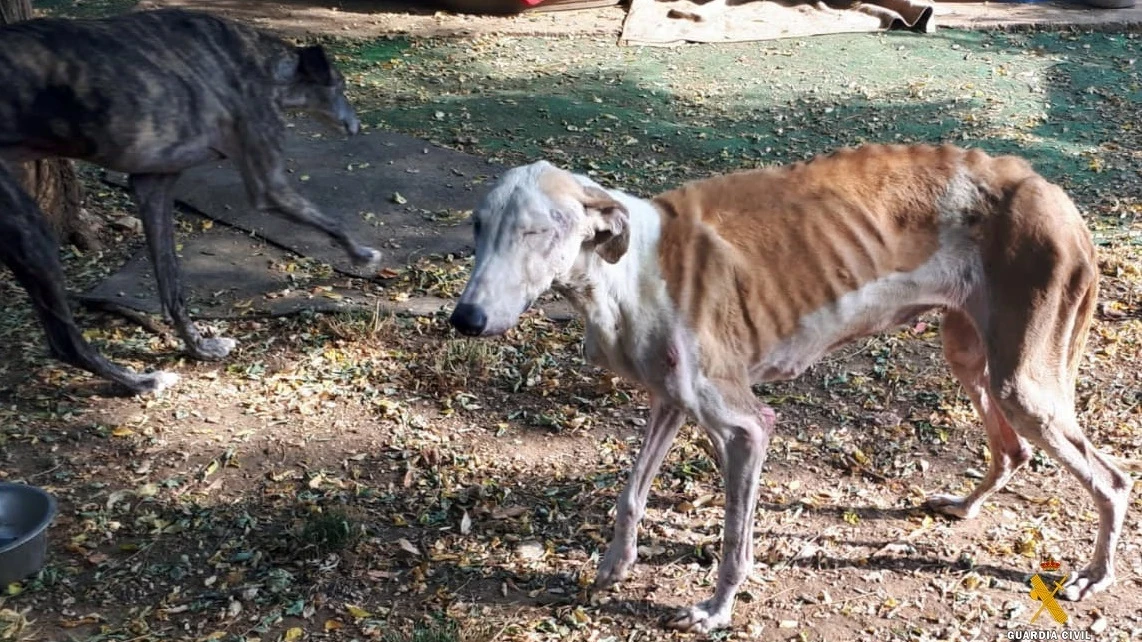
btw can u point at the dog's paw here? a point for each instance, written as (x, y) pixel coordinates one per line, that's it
(616, 564)
(953, 505)
(365, 257)
(1087, 582)
(212, 349)
(701, 618)
(162, 380)
(152, 382)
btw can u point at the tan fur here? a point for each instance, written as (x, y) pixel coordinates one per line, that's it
(747, 255)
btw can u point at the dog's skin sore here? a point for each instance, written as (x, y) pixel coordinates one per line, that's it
(754, 276)
(154, 93)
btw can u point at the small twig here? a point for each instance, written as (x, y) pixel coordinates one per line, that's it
(789, 562)
(504, 628)
(140, 319)
(44, 472)
(775, 595)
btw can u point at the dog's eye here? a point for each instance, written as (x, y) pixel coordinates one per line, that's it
(536, 232)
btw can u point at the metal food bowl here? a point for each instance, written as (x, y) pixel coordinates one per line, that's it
(25, 513)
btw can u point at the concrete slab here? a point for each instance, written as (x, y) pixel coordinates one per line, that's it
(399, 194)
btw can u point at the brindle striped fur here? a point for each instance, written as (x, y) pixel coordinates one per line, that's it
(152, 94)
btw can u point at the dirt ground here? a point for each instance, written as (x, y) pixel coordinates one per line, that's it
(355, 477)
(368, 19)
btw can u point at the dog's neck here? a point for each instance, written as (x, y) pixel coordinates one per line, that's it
(620, 301)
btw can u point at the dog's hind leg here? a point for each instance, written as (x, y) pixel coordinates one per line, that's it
(665, 420)
(28, 248)
(260, 161)
(154, 195)
(967, 358)
(1042, 294)
(740, 427)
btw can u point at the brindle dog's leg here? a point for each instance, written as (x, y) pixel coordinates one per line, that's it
(264, 173)
(154, 195)
(29, 250)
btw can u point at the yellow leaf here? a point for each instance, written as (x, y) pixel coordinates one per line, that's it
(357, 611)
(15, 588)
(333, 625)
(292, 634)
(122, 431)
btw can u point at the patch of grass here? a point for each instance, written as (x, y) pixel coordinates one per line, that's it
(359, 325)
(330, 531)
(463, 361)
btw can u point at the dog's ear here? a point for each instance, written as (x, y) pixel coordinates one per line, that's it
(611, 221)
(313, 65)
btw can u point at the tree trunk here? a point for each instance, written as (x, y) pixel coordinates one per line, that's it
(53, 182)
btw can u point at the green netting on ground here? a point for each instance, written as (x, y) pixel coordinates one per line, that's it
(648, 117)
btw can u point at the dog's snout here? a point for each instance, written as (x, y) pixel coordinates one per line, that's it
(469, 319)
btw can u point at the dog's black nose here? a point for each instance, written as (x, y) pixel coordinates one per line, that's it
(469, 319)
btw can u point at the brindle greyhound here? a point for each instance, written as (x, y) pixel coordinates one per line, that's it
(152, 94)
(754, 276)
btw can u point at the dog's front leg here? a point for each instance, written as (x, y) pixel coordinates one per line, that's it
(269, 190)
(741, 433)
(154, 195)
(665, 420)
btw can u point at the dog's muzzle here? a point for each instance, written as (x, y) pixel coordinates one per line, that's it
(469, 319)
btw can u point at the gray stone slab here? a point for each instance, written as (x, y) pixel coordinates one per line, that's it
(357, 179)
(234, 268)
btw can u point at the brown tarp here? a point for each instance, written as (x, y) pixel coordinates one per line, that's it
(672, 22)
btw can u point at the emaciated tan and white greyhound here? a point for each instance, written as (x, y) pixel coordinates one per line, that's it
(754, 276)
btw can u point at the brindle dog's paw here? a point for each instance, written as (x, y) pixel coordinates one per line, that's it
(212, 349)
(152, 382)
(366, 257)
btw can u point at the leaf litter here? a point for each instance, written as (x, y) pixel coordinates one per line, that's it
(357, 476)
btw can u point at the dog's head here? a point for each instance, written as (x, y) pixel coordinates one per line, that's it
(538, 226)
(309, 82)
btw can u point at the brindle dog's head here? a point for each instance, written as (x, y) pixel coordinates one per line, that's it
(310, 83)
